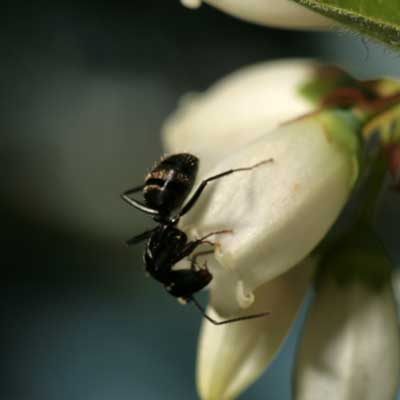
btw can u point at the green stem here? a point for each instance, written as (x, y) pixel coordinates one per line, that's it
(372, 189)
(354, 252)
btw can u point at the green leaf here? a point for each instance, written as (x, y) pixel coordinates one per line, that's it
(359, 256)
(378, 19)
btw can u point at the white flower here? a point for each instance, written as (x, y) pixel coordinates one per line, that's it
(279, 13)
(351, 348)
(278, 212)
(232, 356)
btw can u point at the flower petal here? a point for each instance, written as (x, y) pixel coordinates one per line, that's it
(238, 109)
(232, 356)
(280, 13)
(278, 211)
(351, 346)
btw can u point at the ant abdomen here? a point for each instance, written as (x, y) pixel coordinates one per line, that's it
(170, 181)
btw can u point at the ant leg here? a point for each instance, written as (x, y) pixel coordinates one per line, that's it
(135, 203)
(139, 238)
(226, 321)
(199, 254)
(191, 246)
(203, 239)
(193, 263)
(192, 201)
(134, 190)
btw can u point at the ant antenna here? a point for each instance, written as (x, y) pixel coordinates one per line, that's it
(226, 321)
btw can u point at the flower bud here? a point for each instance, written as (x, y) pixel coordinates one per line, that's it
(279, 13)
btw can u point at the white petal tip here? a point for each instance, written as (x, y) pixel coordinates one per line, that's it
(244, 296)
(191, 3)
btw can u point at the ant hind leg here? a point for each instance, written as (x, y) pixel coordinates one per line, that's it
(225, 321)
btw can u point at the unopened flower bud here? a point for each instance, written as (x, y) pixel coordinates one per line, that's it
(280, 13)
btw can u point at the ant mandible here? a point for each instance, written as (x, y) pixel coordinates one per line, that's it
(164, 191)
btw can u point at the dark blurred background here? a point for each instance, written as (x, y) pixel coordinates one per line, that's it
(84, 90)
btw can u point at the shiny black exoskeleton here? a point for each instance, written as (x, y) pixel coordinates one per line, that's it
(165, 190)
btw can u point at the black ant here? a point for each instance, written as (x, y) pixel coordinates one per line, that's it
(164, 190)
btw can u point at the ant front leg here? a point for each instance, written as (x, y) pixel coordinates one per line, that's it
(190, 247)
(192, 201)
(193, 262)
(188, 281)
